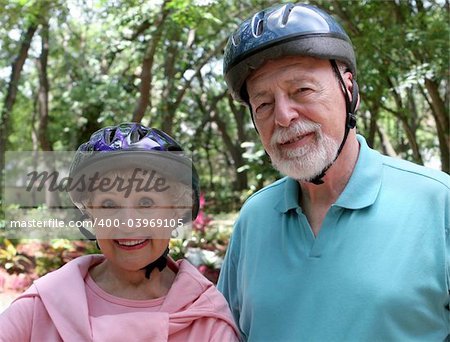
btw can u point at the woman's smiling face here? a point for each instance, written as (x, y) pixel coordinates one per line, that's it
(126, 224)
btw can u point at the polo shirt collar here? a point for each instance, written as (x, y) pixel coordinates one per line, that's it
(365, 182)
(290, 199)
(361, 190)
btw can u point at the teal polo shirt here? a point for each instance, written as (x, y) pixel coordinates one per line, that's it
(377, 271)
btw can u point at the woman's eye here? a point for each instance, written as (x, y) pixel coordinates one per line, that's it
(109, 204)
(146, 202)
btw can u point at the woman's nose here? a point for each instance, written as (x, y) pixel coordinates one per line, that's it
(129, 223)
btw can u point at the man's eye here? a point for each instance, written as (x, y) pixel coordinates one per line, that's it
(262, 108)
(303, 90)
(146, 202)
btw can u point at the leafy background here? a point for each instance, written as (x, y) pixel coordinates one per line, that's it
(68, 68)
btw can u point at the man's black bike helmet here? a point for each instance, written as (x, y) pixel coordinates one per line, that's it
(290, 30)
(283, 30)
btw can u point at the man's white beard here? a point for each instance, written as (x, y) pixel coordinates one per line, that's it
(310, 160)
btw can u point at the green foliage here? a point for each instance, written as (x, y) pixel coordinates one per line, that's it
(22, 261)
(95, 61)
(206, 247)
(11, 259)
(57, 252)
(190, 13)
(96, 55)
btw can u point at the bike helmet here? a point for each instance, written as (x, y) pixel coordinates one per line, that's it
(133, 145)
(283, 30)
(290, 30)
(130, 145)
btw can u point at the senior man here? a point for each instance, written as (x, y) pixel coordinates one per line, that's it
(351, 245)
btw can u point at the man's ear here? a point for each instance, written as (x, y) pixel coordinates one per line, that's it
(352, 90)
(355, 94)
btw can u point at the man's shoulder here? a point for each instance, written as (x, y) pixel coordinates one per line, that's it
(406, 171)
(269, 190)
(267, 195)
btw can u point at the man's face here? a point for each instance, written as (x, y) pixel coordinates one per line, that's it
(299, 111)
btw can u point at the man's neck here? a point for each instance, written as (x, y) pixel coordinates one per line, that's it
(316, 200)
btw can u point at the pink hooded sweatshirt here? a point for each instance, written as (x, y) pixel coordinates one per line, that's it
(56, 308)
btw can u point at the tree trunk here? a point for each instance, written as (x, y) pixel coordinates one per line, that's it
(236, 153)
(373, 114)
(52, 199)
(210, 110)
(145, 87)
(171, 84)
(16, 70)
(409, 130)
(241, 115)
(385, 143)
(442, 123)
(41, 63)
(169, 114)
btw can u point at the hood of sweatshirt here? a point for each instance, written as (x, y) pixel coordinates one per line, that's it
(190, 298)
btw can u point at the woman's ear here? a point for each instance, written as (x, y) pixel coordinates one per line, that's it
(87, 215)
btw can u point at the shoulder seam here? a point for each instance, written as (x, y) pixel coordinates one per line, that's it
(416, 173)
(278, 182)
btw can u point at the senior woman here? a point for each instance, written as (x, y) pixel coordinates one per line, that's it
(133, 291)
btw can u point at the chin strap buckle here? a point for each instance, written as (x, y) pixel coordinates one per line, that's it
(351, 120)
(159, 263)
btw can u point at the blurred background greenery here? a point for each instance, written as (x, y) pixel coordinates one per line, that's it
(68, 68)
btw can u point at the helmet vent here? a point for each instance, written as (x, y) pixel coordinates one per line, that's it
(110, 137)
(285, 14)
(258, 24)
(137, 134)
(174, 148)
(235, 39)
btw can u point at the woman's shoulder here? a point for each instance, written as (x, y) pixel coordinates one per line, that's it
(192, 297)
(74, 268)
(55, 281)
(191, 289)
(16, 320)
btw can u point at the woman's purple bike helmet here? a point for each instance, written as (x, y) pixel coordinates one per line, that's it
(129, 145)
(132, 145)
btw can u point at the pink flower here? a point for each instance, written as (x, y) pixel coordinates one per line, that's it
(202, 220)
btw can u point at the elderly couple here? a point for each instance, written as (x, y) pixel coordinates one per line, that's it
(350, 246)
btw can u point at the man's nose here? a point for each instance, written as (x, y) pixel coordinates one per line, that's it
(284, 111)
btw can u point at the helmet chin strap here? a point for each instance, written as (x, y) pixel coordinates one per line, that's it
(159, 263)
(350, 121)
